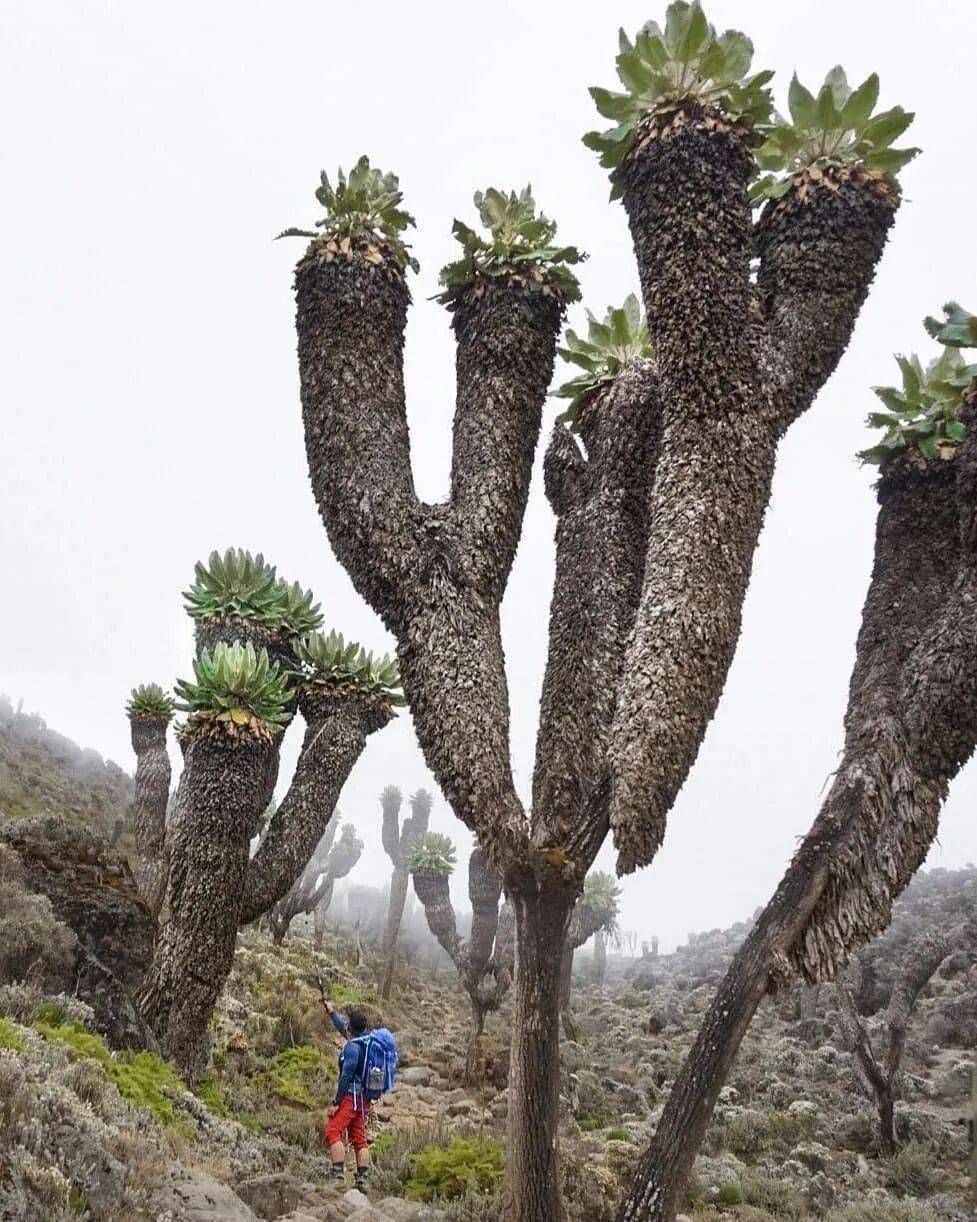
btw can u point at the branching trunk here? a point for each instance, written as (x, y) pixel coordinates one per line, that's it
(911, 724)
(397, 843)
(152, 792)
(220, 793)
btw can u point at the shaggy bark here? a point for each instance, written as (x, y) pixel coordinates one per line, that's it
(910, 726)
(220, 792)
(398, 842)
(878, 1075)
(723, 414)
(668, 500)
(483, 960)
(152, 792)
(337, 727)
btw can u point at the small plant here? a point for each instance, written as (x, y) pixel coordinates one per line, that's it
(363, 217)
(432, 853)
(666, 72)
(236, 691)
(617, 1135)
(520, 249)
(149, 702)
(329, 661)
(609, 348)
(921, 419)
(10, 1037)
(831, 139)
(914, 1170)
(240, 585)
(600, 891)
(299, 1075)
(465, 1165)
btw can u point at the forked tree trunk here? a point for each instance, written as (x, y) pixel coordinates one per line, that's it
(532, 1183)
(220, 791)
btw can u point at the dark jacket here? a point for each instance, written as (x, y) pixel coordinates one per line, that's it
(350, 1058)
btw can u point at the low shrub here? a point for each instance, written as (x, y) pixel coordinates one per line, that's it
(10, 1037)
(302, 1075)
(913, 1171)
(883, 1211)
(774, 1196)
(464, 1165)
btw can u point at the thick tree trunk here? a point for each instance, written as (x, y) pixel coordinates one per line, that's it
(532, 1187)
(885, 1105)
(152, 791)
(600, 957)
(395, 912)
(875, 826)
(474, 1067)
(219, 794)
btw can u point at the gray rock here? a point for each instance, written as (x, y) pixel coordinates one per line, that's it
(270, 1196)
(193, 1196)
(416, 1075)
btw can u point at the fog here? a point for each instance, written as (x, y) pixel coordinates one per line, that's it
(149, 381)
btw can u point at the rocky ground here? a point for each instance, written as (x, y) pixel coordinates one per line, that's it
(102, 1129)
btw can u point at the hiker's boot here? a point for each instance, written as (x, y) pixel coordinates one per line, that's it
(339, 1175)
(362, 1180)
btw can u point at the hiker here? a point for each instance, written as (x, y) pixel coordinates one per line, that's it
(367, 1068)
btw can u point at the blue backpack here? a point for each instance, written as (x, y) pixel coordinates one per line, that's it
(377, 1071)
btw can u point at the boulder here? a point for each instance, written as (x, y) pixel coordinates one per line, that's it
(271, 1196)
(92, 891)
(193, 1196)
(416, 1075)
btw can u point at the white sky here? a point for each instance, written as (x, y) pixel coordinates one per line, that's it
(149, 382)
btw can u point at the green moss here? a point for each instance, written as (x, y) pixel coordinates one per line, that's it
(465, 1165)
(142, 1079)
(345, 997)
(617, 1135)
(730, 1194)
(302, 1075)
(10, 1037)
(209, 1093)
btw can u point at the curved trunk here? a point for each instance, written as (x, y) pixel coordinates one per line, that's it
(395, 912)
(152, 792)
(220, 791)
(532, 1187)
(876, 824)
(336, 733)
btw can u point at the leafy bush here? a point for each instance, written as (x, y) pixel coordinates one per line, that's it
(363, 216)
(329, 661)
(745, 1134)
(922, 417)
(149, 702)
(773, 1195)
(447, 1172)
(913, 1171)
(241, 585)
(883, 1211)
(730, 1194)
(237, 690)
(33, 942)
(10, 1037)
(835, 132)
(664, 70)
(302, 1075)
(609, 348)
(432, 853)
(520, 249)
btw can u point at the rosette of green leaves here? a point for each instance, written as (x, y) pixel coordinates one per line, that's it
(666, 69)
(520, 247)
(149, 702)
(609, 348)
(363, 214)
(237, 688)
(837, 128)
(331, 661)
(432, 853)
(958, 328)
(922, 416)
(601, 892)
(239, 584)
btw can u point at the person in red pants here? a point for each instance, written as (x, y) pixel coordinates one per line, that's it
(347, 1116)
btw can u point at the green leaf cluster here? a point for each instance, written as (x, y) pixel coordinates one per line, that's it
(664, 70)
(238, 688)
(239, 584)
(363, 214)
(301, 1075)
(958, 328)
(609, 348)
(922, 416)
(149, 702)
(466, 1165)
(520, 247)
(600, 892)
(838, 128)
(331, 661)
(432, 853)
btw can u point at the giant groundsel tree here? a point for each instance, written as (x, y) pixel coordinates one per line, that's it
(398, 841)
(259, 659)
(150, 711)
(756, 239)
